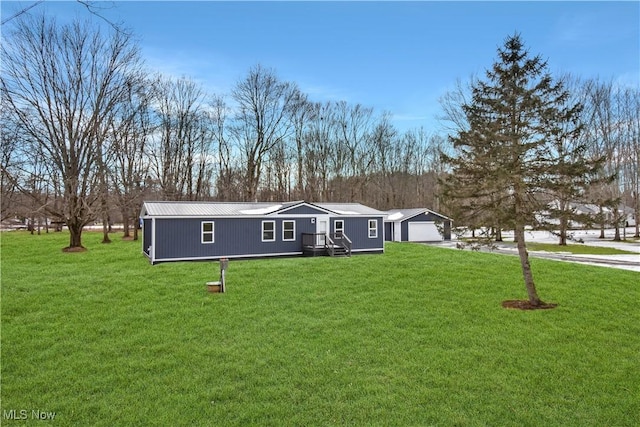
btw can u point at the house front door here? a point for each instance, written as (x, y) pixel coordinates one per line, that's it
(322, 229)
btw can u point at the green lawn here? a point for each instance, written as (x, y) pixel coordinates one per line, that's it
(413, 337)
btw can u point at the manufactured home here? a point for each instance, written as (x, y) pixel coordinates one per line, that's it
(185, 231)
(416, 225)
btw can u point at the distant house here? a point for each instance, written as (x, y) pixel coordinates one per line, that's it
(416, 225)
(583, 214)
(184, 231)
(588, 214)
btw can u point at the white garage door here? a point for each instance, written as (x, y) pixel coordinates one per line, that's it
(423, 232)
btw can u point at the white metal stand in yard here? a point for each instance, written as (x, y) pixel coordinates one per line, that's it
(219, 286)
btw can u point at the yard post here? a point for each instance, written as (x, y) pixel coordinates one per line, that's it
(224, 263)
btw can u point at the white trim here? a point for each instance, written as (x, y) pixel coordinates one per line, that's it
(230, 256)
(152, 253)
(262, 230)
(212, 232)
(321, 211)
(326, 220)
(293, 239)
(254, 255)
(369, 229)
(397, 231)
(368, 250)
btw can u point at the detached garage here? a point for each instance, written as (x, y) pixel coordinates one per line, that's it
(416, 225)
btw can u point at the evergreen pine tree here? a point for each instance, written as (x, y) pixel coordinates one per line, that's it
(507, 158)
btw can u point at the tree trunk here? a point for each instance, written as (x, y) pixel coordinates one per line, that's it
(105, 231)
(563, 230)
(617, 221)
(125, 224)
(534, 300)
(75, 235)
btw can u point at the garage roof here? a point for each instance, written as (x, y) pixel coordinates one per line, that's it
(404, 214)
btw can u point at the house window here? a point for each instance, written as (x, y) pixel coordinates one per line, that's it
(338, 226)
(373, 228)
(268, 231)
(207, 235)
(288, 230)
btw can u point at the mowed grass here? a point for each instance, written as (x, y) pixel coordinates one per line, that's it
(415, 336)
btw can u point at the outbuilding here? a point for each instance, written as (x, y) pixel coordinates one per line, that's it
(416, 225)
(185, 231)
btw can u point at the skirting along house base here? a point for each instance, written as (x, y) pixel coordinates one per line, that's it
(186, 231)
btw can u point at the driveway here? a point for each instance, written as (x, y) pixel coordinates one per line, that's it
(589, 237)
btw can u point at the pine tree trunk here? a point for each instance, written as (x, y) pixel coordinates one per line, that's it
(563, 230)
(534, 300)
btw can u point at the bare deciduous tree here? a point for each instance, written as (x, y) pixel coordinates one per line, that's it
(606, 129)
(61, 82)
(183, 135)
(129, 131)
(262, 120)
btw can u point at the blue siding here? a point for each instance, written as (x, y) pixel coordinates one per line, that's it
(357, 229)
(147, 234)
(388, 231)
(233, 237)
(180, 238)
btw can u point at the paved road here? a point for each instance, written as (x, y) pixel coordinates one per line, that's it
(589, 237)
(627, 262)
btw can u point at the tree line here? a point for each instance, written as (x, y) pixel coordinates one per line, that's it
(88, 132)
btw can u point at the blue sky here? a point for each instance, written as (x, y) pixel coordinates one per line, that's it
(399, 57)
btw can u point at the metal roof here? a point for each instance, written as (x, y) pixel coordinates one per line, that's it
(212, 209)
(349, 208)
(402, 214)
